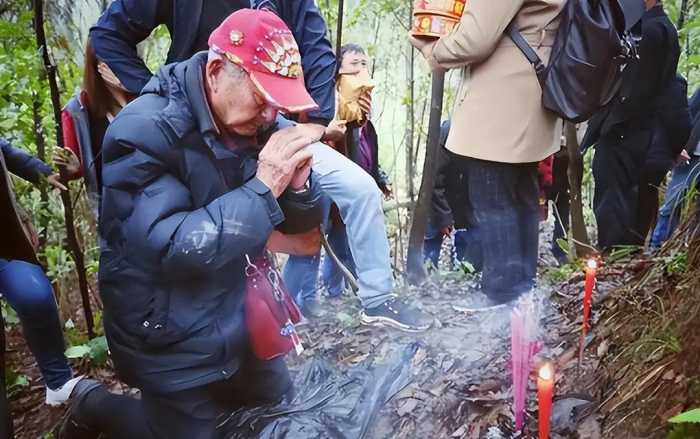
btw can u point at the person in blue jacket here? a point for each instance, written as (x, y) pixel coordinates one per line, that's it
(24, 284)
(192, 190)
(126, 23)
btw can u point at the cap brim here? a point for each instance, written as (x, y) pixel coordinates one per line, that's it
(287, 94)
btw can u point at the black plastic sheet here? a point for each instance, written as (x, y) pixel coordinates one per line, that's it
(329, 402)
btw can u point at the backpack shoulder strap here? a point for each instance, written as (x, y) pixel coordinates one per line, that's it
(527, 50)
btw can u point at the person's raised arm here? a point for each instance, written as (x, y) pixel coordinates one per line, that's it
(23, 164)
(123, 25)
(161, 225)
(474, 38)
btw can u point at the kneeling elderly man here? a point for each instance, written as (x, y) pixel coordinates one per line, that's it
(189, 192)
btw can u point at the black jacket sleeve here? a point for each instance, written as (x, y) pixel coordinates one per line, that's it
(23, 164)
(302, 210)
(154, 213)
(441, 213)
(119, 29)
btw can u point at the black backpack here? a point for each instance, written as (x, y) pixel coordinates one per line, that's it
(592, 47)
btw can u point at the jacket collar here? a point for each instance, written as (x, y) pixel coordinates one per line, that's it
(656, 11)
(201, 110)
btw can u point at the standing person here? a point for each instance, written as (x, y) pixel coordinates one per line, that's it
(632, 144)
(190, 194)
(500, 131)
(127, 22)
(361, 242)
(25, 286)
(684, 176)
(84, 121)
(448, 213)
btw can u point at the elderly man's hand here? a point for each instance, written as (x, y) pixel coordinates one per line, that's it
(282, 157)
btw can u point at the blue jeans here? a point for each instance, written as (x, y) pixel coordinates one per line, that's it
(27, 289)
(683, 177)
(503, 206)
(359, 201)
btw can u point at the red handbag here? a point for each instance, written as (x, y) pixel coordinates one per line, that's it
(270, 311)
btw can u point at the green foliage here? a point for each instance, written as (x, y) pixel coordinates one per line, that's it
(689, 416)
(677, 263)
(15, 381)
(561, 273)
(95, 351)
(9, 315)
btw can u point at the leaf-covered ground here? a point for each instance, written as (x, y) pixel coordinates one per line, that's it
(460, 374)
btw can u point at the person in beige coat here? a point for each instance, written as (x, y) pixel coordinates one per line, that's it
(499, 132)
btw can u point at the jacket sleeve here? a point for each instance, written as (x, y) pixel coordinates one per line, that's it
(23, 164)
(317, 57)
(441, 214)
(476, 35)
(152, 212)
(119, 29)
(302, 211)
(651, 72)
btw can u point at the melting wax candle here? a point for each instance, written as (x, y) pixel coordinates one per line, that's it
(591, 267)
(545, 392)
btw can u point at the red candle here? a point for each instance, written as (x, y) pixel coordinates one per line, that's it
(591, 266)
(545, 392)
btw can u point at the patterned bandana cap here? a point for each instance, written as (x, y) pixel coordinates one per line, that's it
(261, 44)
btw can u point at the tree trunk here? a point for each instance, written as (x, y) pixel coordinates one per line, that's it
(683, 14)
(339, 30)
(40, 152)
(72, 237)
(579, 233)
(415, 269)
(410, 117)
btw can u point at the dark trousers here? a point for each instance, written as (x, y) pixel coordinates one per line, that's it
(627, 173)
(503, 213)
(559, 194)
(188, 414)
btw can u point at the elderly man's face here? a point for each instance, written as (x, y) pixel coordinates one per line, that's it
(237, 104)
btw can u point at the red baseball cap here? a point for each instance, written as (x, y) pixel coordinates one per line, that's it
(260, 43)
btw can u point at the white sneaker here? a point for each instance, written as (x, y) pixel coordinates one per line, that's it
(62, 394)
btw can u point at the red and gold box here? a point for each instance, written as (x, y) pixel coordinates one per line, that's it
(435, 18)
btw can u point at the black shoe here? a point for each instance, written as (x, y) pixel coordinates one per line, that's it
(479, 302)
(397, 314)
(311, 309)
(71, 427)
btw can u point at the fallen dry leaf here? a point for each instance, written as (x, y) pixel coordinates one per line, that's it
(407, 406)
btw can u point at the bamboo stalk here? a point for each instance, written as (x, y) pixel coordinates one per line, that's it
(73, 244)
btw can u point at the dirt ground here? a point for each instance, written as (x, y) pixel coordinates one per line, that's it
(460, 374)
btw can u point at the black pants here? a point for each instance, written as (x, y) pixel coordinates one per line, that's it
(503, 211)
(627, 172)
(188, 414)
(559, 194)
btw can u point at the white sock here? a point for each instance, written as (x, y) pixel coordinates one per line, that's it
(63, 393)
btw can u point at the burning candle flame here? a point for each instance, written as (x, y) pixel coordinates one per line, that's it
(546, 371)
(592, 264)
